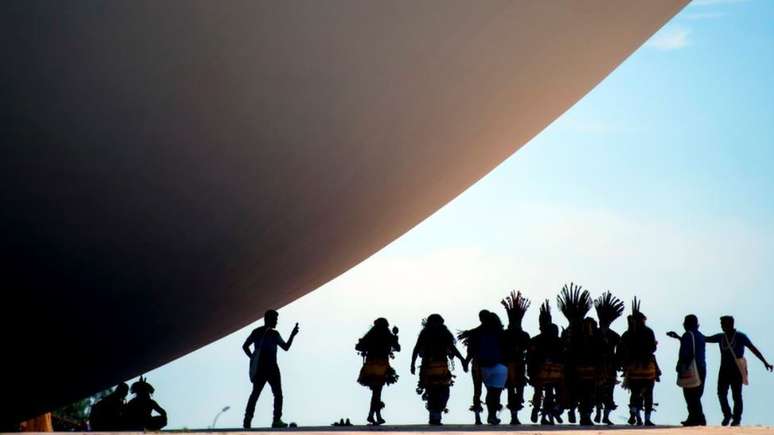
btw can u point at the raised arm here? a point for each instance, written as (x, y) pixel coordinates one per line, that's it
(714, 338)
(286, 345)
(456, 353)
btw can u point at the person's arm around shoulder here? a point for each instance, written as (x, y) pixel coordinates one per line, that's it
(714, 338)
(756, 352)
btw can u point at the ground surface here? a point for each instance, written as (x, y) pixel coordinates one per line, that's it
(531, 429)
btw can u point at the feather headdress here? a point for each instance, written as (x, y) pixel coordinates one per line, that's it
(608, 308)
(574, 302)
(515, 305)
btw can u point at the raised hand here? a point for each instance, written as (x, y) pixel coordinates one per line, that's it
(673, 334)
(295, 329)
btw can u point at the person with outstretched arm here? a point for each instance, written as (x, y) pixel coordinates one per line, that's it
(692, 348)
(733, 368)
(263, 365)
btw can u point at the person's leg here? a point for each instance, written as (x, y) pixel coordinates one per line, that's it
(635, 401)
(549, 400)
(688, 394)
(702, 420)
(376, 403)
(260, 381)
(723, 385)
(493, 404)
(647, 401)
(537, 400)
(736, 392)
(275, 382)
(608, 402)
(475, 373)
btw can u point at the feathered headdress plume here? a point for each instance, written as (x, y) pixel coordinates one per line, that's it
(574, 303)
(544, 319)
(608, 308)
(636, 312)
(515, 305)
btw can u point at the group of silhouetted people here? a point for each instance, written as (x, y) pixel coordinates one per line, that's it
(113, 413)
(573, 371)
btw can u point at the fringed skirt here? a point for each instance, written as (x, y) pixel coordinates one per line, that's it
(640, 371)
(377, 373)
(548, 373)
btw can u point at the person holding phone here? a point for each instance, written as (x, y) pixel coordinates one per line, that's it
(263, 365)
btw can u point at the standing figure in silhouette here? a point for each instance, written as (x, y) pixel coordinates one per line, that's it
(582, 350)
(733, 367)
(516, 344)
(377, 347)
(138, 412)
(491, 360)
(692, 348)
(470, 339)
(637, 355)
(609, 308)
(545, 368)
(435, 345)
(107, 414)
(263, 365)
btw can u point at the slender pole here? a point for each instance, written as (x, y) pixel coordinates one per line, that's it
(215, 420)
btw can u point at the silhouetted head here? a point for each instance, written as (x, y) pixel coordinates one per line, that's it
(381, 323)
(727, 323)
(482, 315)
(142, 388)
(122, 390)
(691, 322)
(434, 320)
(552, 330)
(492, 321)
(270, 318)
(589, 326)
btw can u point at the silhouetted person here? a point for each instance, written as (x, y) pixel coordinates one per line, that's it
(516, 344)
(263, 365)
(470, 338)
(377, 348)
(581, 352)
(692, 348)
(138, 412)
(435, 345)
(545, 367)
(106, 415)
(491, 360)
(609, 308)
(733, 367)
(637, 355)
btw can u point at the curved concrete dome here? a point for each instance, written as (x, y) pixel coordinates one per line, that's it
(172, 169)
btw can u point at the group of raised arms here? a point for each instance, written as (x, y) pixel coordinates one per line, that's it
(573, 371)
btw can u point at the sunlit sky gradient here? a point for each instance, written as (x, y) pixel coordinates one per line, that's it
(658, 183)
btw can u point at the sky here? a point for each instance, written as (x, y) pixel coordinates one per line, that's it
(658, 183)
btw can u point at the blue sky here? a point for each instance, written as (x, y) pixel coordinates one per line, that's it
(658, 183)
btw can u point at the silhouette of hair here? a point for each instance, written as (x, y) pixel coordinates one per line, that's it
(432, 320)
(271, 314)
(609, 308)
(378, 336)
(515, 305)
(728, 319)
(691, 321)
(493, 322)
(482, 315)
(122, 389)
(573, 302)
(142, 387)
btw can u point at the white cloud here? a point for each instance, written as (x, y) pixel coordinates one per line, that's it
(670, 39)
